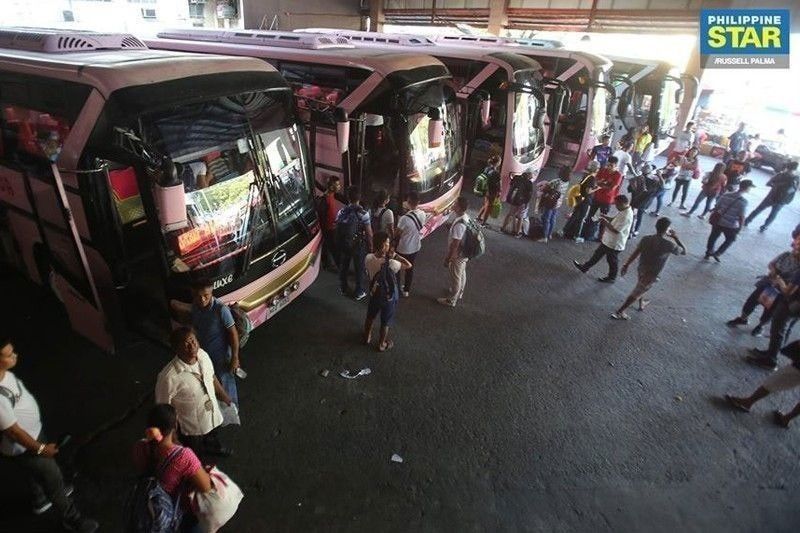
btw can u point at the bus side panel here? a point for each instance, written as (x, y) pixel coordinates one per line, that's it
(327, 156)
(79, 215)
(26, 235)
(47, 205)
(12, 189)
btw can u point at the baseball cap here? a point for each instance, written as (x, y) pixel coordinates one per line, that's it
(746, 184)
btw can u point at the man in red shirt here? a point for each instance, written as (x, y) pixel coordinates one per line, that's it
(327, 207)
(608, 181)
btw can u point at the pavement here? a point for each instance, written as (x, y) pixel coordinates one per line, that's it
(526, 408)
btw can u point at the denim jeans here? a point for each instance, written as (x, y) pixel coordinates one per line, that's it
(357, 257)
(765, 203)
(700, 197)
(716, 231)
(549, 217)
(682, 187)
(660, 199)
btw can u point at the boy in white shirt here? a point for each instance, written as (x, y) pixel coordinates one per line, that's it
(409, 237)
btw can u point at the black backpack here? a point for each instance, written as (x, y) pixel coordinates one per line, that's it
(350, 230)
(384, 284)
(376, 220)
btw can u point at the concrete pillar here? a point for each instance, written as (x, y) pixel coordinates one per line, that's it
(497, 16)
(690, 93)
(376, 20)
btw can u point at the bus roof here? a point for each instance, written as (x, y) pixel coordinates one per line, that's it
(232, 42)
(423, 44)
(111, 69)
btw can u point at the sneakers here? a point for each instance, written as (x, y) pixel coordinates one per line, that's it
(606, 280)
(405, 294)
(701, 217)
(715, 257)
(360, 296)
(543, 240)
(738, 321)
(445, 301)
(762, 229)
(578, 265)
(682, 208)
(579, 240)
(687, 214)
(44, 505)
(81, 525)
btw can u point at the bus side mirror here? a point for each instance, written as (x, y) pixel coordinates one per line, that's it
(485, 111)
(171, 204)
(435, 128)
(342, 130)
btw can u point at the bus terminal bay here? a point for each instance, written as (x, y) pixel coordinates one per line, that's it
(243, 199)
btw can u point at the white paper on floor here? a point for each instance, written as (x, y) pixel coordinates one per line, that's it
(347, 374)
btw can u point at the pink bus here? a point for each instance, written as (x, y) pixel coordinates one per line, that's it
(376, 119)
(126, 173)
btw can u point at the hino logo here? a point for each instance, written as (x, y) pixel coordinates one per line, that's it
(279, 258)
(221, 282)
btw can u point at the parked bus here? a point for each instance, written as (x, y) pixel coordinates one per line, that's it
(127, 173)
(648, 92)
(405, 135)
(580, 95)
(501, 92)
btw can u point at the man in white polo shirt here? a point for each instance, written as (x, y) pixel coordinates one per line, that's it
(615, 236)
(188, 384)
(455, 261)
(409, 237)
(21, 426)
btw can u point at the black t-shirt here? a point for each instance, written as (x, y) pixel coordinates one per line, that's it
(655, 250)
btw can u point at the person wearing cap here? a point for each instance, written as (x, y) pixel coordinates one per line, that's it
(727, 219)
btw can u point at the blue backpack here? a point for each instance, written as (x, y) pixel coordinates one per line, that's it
(384, 284)
(149, 508)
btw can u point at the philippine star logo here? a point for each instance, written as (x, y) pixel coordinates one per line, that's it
(744, 38)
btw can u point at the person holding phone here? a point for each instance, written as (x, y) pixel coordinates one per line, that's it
(23, 444)
(653, 252)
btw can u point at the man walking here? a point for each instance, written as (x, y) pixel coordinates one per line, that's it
(613, 240)
(409, 237)
(454, 259)
(354, 241)
(727, 219)
(653, 252)
(783, 187)
(188, 384)
(23, 444)
(216, 332)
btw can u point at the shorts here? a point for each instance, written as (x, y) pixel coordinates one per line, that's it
(786, 378)
(644, 284)
(519, 211)
(386, 308)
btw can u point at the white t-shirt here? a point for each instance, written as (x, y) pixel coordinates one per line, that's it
(387, 218)
(410, 239)
(623, 160)
(683, 141)
(457, 230)
(374, 264)
(622, 222)
(25, 413)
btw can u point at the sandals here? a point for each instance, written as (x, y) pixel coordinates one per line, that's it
(386, 346)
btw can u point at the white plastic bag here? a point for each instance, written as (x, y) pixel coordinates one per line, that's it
(230, 414)
(216, 507)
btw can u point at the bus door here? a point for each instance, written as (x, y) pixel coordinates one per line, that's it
(38, 206)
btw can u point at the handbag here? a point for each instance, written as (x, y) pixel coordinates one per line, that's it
(215, 508)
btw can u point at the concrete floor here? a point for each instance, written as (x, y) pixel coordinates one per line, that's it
(525, 409)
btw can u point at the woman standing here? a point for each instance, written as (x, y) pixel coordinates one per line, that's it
(688, 169)
(383, 266)
(713, 184)
(177, 468)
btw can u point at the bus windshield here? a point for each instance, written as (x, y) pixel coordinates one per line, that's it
(241, 166)
(431, 166)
